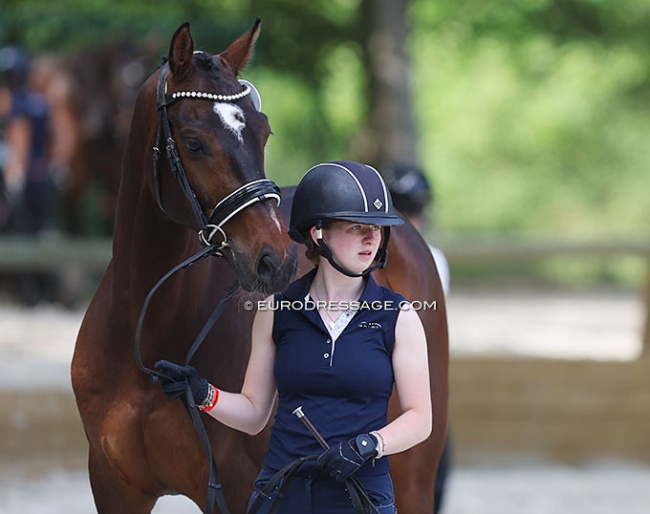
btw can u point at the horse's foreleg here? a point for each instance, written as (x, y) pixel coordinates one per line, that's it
(112, 492)
(413, 476)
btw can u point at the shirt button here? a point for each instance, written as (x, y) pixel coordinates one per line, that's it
(328, 341)
(326, 355)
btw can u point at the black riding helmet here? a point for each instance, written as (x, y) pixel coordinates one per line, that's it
(409, 188)
(13, 66)
(342, 191)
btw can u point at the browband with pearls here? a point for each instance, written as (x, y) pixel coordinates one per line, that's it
(212, 96)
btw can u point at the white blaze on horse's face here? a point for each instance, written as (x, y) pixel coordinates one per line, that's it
(276, 220)
(232, 116)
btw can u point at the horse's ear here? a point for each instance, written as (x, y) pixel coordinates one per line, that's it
(239, 52)
(181, 51)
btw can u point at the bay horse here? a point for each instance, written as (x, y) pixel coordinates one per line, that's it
(143, 445)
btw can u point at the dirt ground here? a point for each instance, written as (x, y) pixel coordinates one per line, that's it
(605, 489)
(36, 346)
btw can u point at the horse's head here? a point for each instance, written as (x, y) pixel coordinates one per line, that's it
(213, 180)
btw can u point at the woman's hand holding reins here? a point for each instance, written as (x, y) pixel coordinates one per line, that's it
(342, 460)
(175, 379)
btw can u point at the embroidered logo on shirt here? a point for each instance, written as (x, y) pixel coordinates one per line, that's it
(369, 324)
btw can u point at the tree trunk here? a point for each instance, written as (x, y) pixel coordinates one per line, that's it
(389, 135)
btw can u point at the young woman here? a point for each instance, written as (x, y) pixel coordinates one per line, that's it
(335, 343)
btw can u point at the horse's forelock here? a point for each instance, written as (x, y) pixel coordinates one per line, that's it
(203, 61)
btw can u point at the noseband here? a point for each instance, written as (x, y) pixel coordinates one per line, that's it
(231, 205)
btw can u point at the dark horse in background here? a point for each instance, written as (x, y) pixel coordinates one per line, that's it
(142, 444)
(91, 95)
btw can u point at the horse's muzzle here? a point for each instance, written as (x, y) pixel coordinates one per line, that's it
(269, 273)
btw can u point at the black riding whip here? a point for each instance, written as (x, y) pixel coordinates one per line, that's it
(354, 486)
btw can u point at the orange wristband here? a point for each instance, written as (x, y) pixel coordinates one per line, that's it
(213, 396)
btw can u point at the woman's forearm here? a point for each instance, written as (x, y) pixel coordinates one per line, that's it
(241, 412)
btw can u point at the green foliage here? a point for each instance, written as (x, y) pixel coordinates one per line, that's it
(533, 114)
(66, 26)
(543, 106)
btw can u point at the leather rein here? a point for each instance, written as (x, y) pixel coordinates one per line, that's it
(208, 226)
(230, 206)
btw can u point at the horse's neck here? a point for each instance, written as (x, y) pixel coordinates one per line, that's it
(146, 243)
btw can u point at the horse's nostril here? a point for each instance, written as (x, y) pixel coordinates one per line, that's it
(266, 266)
(271, 273)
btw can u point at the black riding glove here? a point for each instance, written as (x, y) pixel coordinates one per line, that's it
(176, 379)
(341, 460)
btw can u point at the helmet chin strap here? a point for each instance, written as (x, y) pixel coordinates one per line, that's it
(324, 250)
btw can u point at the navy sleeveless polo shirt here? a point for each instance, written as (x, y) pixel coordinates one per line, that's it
(343, 387)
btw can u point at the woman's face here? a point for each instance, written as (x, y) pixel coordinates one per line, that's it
(353, 245)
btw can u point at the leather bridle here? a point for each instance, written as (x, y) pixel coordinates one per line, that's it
(208, 226)
(238, 200)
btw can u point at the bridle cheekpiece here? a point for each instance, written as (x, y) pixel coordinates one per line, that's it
(235, 202)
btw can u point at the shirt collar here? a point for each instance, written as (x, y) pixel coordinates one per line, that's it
(300, 287)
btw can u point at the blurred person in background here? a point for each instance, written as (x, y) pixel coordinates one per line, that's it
(25, 125)
(27, 185)
(412, 196)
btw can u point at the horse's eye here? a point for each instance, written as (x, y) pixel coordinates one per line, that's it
(193, 145)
